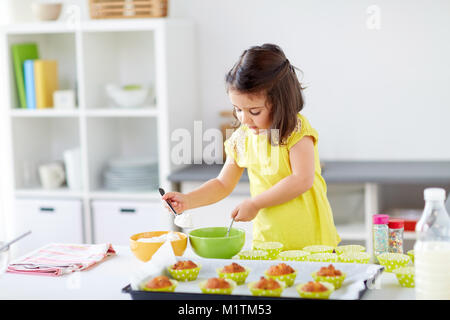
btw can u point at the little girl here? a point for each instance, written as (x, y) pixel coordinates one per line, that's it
(278, 147)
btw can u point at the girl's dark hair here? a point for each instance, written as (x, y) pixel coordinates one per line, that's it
(265, 69)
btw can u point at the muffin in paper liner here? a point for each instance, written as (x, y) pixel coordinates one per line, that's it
(405, 276)
(336, 281)
(272, 248)
(185, 274)
(354, 257)
(217, 291)
(166, 289)
(238, 277)
(253, 255)
(315, 295)
(266, 292)
(323, 257)
(288, 279)
(293, 255)
(391, 261)
(318, 249)
(349, 248)
(411, 255)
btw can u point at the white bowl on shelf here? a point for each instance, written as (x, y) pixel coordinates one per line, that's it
(127, 97)
(46, 11)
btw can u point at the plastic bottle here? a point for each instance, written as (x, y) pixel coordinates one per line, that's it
(396, 227)
(380, 234)
(432, 248)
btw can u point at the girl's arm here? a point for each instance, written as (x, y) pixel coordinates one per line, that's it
(208, 193)
(218, 188)
(301, 156)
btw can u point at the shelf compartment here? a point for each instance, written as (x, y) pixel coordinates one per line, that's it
(43, 113)
(112, 138)
(128, 113)
(61, 193)
(132, 217)
(54, 46)
(50, 221)
(38, 141)
(119, 58)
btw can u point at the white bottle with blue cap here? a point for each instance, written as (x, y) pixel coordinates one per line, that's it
(432, 248)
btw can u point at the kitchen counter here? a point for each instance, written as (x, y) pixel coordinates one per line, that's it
(106, 280)
(385, 172)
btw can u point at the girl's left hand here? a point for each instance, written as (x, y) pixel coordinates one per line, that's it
(245, 211)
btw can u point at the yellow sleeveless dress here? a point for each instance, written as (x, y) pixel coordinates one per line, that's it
(303, 221)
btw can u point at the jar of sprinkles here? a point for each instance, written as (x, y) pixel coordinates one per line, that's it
(396, 227)
(380, 234)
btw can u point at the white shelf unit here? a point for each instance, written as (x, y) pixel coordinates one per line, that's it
(158, 52)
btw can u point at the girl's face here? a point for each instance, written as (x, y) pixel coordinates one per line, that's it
(252, 110)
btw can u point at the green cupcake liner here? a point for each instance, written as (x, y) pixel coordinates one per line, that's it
(266, 293)
(392, 261)
(272, 248)
(411, 255)
(288, 279)
(293, 255)
(349, 248)
(238, 277)
(323, 257)
(315, 295)
(335, 281)
(405, 276)
(318, 249)
(217, 291)
(253, 255)
(185, 274)
(354, 257)
(167, 289)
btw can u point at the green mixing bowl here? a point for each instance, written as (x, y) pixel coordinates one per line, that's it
(213, 242)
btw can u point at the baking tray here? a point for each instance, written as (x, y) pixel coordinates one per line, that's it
(359, 277)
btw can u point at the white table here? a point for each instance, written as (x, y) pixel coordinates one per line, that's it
(106, 280)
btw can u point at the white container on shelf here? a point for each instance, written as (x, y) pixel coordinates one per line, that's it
(116, 221)
(49, 221)
(72, 161)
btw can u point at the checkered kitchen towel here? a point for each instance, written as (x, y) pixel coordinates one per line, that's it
(56, 259)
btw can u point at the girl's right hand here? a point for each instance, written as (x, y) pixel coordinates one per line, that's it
(177, 200)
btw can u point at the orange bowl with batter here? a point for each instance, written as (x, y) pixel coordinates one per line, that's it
(145, 250)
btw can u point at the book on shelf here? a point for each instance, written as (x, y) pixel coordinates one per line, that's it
(20, 53)
(46, 82)
(30, 91)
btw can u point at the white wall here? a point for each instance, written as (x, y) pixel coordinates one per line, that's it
(372, 94)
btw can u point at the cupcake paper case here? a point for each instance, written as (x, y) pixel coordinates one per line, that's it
(288, 279)
(323, 257)
(349, 248)
(272, 248)
(166, 289)
(253, 255)
(185, 274)
(315, 295)
(238, 277)
(217, 291)
(411, 255)
(293, 255)
(392, 261)
(266, 293)
(336, 281)
(318, 249)
(405, 276)
(354, 257)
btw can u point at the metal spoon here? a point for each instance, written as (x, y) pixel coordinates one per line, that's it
(162, 192)
(6, 246)
(229, 228)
